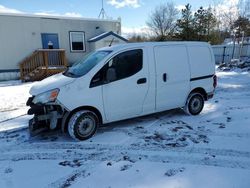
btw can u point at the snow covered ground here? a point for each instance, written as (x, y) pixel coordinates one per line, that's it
(168, 149)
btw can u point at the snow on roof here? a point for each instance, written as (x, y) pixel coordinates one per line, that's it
(106, 34)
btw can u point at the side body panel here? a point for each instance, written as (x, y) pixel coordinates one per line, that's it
(78, 94)
(149, 104)
(172, 76)
(125, 98)
(202, 64)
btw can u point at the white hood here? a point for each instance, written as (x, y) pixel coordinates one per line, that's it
(52, 82)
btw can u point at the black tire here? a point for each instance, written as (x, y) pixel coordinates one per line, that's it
(83, 125)
(194, 104)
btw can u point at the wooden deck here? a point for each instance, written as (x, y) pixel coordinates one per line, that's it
(42, 63)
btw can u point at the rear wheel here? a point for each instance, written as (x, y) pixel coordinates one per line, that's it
(194, 104)
(83, 125)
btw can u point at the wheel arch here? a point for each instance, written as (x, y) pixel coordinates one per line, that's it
(69, 114)
(200, 90)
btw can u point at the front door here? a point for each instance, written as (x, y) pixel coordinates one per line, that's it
(124, 97)
(172, 76)
(50, 41)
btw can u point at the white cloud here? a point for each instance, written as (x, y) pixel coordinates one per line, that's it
(180, 7)
(45, 13)
(52, 13)
(73, 14)
(124, 3)
(234, 2)
(129, 31)
(4, 9)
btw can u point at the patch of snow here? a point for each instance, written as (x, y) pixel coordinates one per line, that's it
(168, 149)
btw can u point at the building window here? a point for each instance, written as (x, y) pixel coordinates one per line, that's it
(77, 41)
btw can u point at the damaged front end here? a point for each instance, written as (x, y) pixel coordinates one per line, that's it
(47, 112)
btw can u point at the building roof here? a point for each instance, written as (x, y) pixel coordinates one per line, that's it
(57, 17)
(106, 34)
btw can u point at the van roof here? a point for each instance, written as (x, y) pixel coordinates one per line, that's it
(144, 44)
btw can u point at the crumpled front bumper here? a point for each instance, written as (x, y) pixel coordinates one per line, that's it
(45, 115)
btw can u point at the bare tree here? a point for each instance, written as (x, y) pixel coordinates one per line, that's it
(244, 8)
(163, 19)
(226, 13)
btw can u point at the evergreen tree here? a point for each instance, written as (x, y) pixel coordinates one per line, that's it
(186, 24)
(199, 22)
(204, 23)
(242, 24)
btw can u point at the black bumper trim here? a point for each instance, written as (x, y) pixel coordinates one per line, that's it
(210, 95)
(202, 77)
(36, 109)
(29, 101)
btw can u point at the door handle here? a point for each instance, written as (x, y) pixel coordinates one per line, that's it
(164, 77)
(142, 81)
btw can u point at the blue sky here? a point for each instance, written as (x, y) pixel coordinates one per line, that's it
(133, 13)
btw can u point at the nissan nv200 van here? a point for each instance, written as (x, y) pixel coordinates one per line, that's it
(124, 81)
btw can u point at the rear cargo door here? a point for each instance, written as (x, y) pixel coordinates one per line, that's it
(172, 76)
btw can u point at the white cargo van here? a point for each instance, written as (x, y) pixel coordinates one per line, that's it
(124, 81)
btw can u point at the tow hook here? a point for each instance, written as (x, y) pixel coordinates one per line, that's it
(44, 122)
(53, 120)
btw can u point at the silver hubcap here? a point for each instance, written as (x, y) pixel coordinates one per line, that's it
(85, 126)
(195, 105)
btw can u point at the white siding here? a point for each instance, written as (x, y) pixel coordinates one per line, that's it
(21, 35)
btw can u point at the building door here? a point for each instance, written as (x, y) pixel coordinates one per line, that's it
(50, 41)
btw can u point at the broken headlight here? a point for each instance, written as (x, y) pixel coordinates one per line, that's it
(49, 96)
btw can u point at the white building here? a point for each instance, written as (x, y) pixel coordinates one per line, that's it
(21, 35)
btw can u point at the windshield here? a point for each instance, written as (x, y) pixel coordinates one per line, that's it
(83, 66)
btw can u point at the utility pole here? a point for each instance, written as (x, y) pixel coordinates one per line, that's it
(234, 40)
(102, 13)
(242, 43)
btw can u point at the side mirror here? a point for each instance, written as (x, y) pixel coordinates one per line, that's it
(111, 75)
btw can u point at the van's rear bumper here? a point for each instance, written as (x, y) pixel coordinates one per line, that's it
(210, 95)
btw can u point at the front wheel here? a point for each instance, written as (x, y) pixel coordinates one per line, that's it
(194, 104)
(83, 125)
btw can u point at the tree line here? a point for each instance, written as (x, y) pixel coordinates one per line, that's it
(166, 23)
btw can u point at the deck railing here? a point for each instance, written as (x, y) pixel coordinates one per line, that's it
(42, 59)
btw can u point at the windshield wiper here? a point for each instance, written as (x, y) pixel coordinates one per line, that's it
(67, 73)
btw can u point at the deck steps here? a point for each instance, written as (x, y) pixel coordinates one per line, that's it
(42, 63)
